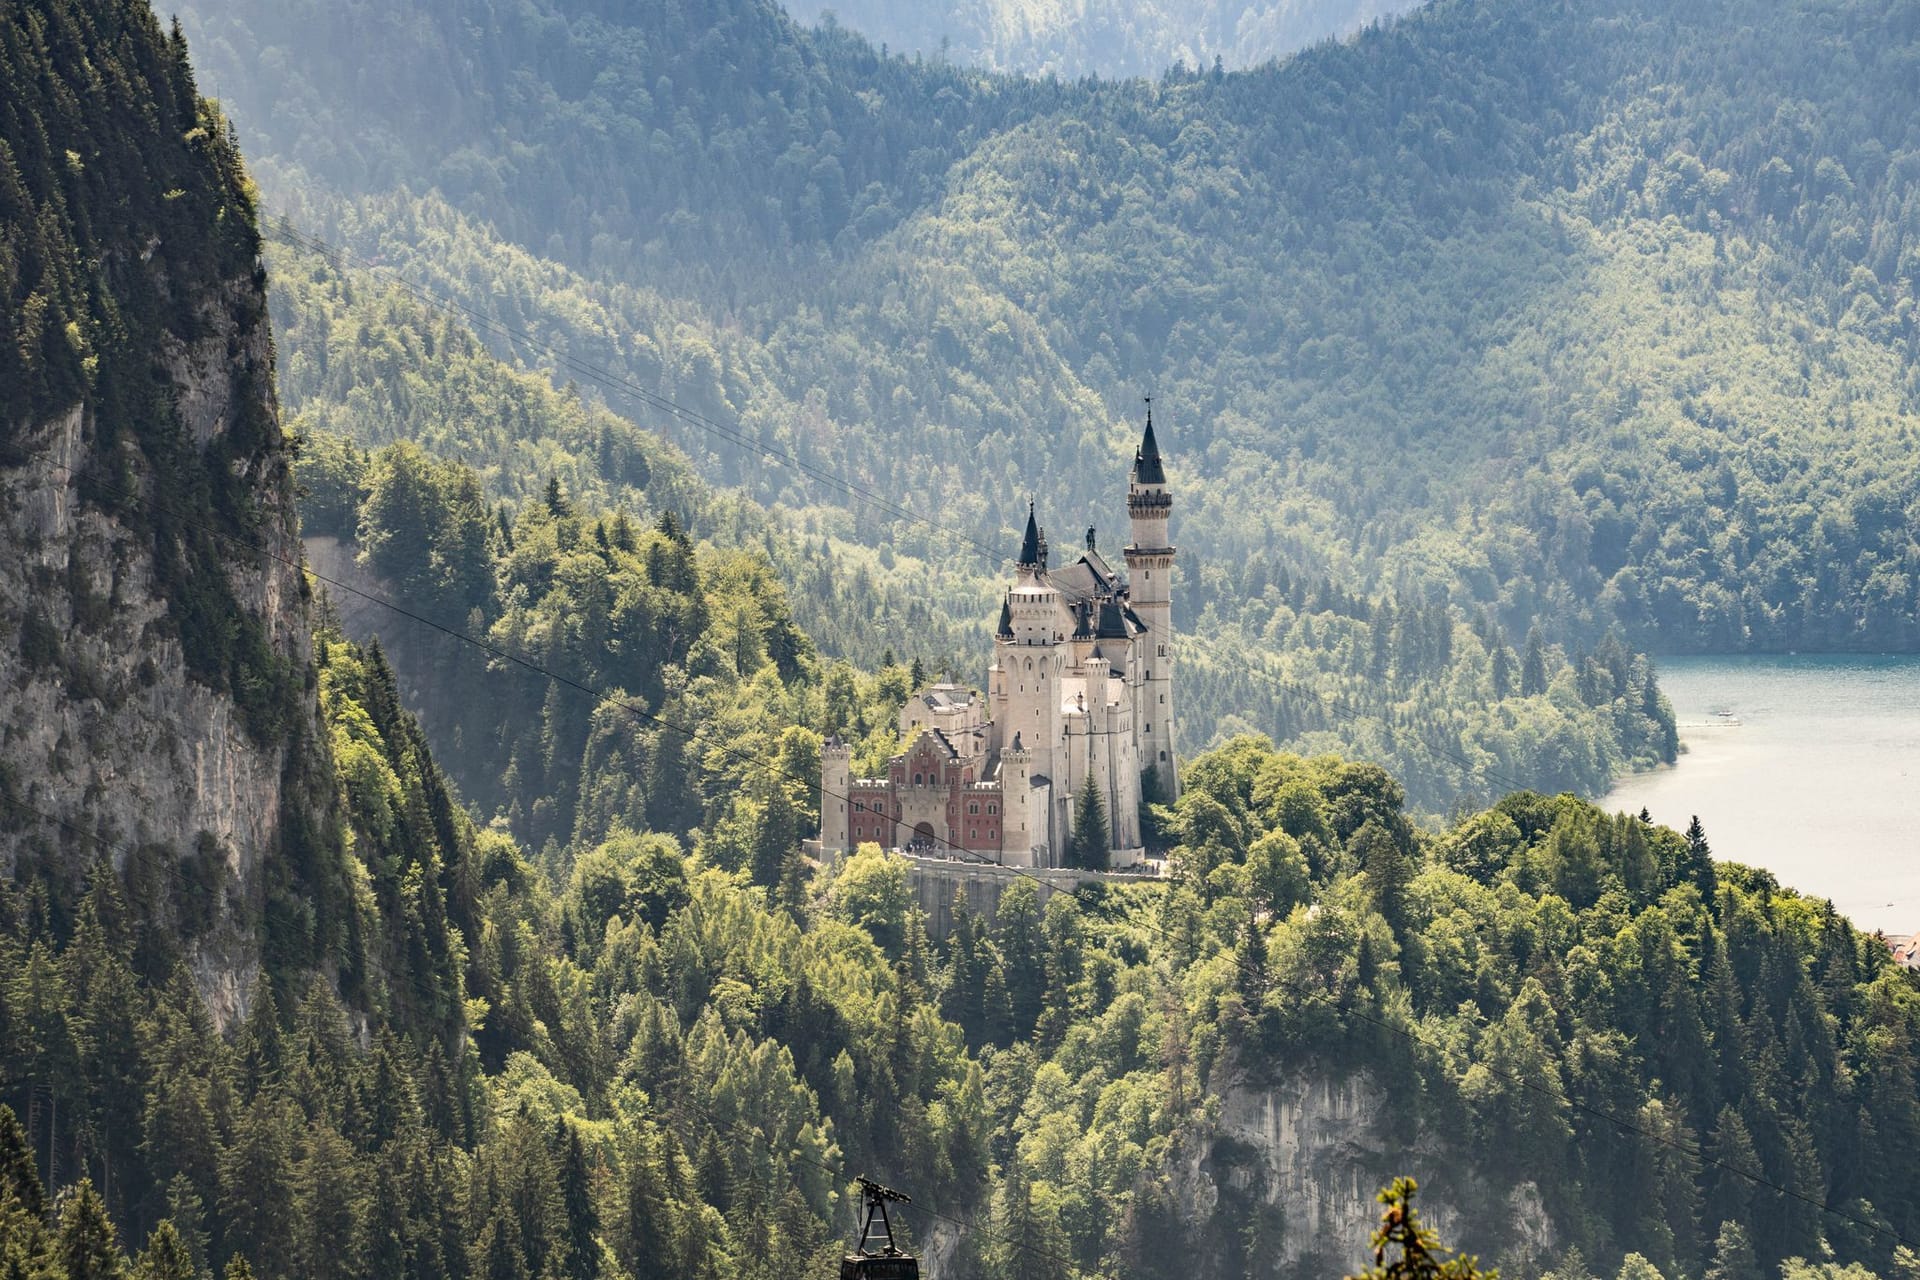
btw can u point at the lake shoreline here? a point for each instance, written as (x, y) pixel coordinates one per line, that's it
(1806, 765)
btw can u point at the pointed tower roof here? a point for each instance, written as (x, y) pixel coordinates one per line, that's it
(1033, 549)
(1146, 461)
(1006, 619)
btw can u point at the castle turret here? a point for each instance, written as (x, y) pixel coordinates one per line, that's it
(836, 782)
(1150, 588)
(1033, 663)
(1020, 806)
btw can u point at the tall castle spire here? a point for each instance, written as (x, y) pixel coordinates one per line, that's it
(1150, 557)
(1146, 459)
(1033, 548)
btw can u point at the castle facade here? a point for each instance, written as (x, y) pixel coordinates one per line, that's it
(1081, 686)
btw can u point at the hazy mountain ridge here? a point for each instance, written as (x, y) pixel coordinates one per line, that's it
(1073, 38)
(1371, 282)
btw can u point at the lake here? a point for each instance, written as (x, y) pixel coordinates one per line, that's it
(1807, 766)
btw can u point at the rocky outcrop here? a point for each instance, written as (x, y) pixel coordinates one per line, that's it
(1306, 1151)
(116, 741)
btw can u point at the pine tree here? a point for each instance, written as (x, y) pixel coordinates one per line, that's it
(1250, 964)
(23, 1229)
(581, 1216)
(791, 892)
(776, 836)
(1533, 666)
(1696, 867)
(256, 1184)
(644, 1232)
(1388, 871)
(1732, 1255)
(328, 1205)
(261, 1052)
(166, 1256)
(187, 1212)
(1088, 847)
(1501, 669)
(1018, 941)
(84, 1242)
(1028, 1243)
(19, 1176)
(1731, 1195)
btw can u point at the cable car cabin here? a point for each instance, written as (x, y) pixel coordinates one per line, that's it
(879, 1266)
(887, 1261)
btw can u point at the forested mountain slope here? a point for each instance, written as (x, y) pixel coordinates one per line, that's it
(1099, 37)
(1597, 315)
(1453, 705)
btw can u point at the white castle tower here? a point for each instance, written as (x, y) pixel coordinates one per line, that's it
(1032, 662)
(836, 779)
(1150, 584)
(1079, 696)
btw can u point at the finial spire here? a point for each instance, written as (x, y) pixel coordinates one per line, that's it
(1033, 549)
(1146, 460)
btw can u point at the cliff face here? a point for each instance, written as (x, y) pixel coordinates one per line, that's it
(155, 679)
(1297, 1159)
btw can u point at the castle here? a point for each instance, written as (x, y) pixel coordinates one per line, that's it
(1081, 686)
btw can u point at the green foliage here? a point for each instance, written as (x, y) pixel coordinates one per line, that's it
(623, 1057)
(681, 635)
(365, 364)
(1548, 964)
(1420, 1256)
(111, 154)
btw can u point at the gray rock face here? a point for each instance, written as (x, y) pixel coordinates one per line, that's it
(1307, 1151)
(109, 747)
